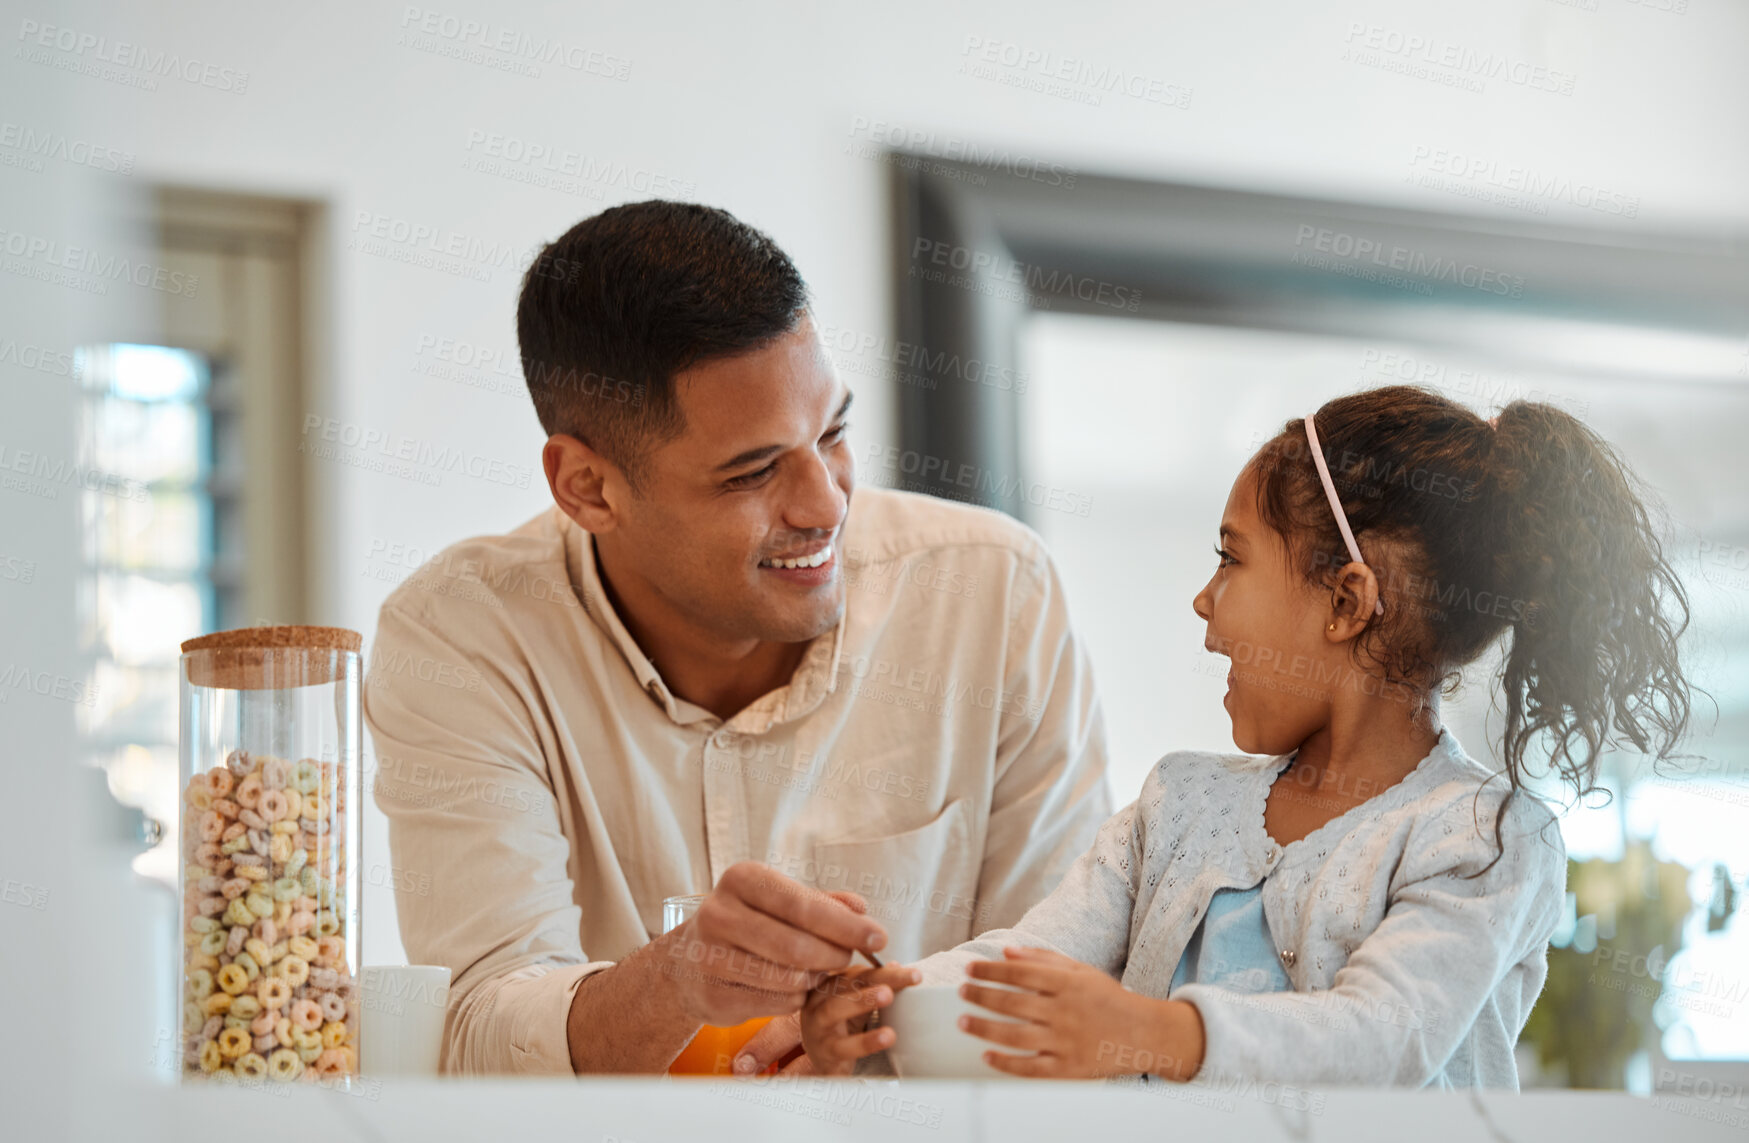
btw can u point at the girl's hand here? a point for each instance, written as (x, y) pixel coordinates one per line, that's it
(835, 1018)
(1081, 1022)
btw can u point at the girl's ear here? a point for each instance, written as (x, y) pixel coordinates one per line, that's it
(1353, 602)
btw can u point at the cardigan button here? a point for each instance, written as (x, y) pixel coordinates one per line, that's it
(1288, 957)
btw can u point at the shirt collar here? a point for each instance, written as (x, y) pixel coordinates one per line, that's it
(816, 676)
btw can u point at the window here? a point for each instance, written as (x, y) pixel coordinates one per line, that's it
(151, 545)
(193, 498)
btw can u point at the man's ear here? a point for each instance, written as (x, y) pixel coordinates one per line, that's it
(586, 486)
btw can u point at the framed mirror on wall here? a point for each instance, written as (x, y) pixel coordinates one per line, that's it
(1099, 359)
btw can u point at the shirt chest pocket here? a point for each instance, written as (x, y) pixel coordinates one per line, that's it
(920, 884)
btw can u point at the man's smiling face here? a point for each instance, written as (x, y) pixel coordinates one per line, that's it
(738, 523)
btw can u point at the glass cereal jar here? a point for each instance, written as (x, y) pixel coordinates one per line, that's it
(271, 740)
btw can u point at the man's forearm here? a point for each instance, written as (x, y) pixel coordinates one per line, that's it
(628, 1018)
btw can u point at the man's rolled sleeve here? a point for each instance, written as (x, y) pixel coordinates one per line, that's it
(533, 1003)
(481, 862)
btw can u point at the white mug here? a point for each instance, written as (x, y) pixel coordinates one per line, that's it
(928, 1041)
(402, 1020)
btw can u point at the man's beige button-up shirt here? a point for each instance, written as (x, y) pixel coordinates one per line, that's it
(940, 752)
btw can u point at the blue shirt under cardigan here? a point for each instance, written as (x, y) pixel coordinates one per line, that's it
(1232, 947)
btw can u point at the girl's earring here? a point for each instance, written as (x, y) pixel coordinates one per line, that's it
(1332, 627)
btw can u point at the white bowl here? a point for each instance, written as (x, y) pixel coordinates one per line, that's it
(928, 1042)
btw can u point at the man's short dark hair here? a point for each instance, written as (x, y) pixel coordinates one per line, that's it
(627, 299)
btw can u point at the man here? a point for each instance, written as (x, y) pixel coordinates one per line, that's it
(862, 727)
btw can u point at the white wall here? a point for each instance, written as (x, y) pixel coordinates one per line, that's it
(65, 892)
(753, 107)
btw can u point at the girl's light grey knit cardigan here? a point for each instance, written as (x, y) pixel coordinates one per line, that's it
(1404, 973)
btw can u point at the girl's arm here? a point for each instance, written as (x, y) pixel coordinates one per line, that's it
(1087, 916)
(1415, 988)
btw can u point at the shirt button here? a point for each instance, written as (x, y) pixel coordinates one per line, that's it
(1288, 957)
(722, 739)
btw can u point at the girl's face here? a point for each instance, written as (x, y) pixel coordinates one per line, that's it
(1270, 622)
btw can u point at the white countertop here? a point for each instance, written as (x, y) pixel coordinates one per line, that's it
(645, 1111)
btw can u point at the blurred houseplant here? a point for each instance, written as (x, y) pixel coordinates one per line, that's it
(1595, 1012)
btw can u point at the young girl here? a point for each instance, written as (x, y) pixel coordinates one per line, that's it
(1364, 903)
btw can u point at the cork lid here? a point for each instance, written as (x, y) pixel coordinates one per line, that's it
(262, 658)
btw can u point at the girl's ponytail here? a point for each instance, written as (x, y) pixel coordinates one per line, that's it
(1593, 661)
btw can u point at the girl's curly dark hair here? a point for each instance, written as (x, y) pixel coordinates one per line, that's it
(1531, 525)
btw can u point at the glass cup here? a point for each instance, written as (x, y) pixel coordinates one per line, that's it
(712, 1052)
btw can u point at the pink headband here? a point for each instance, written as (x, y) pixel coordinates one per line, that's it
(1335, 501)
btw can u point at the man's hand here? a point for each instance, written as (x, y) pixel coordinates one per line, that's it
(780, 1042)
(1081, 1022)
(759, 942)
(774, 1043)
